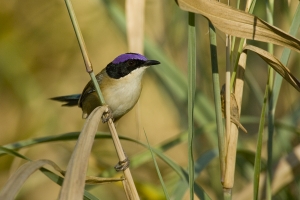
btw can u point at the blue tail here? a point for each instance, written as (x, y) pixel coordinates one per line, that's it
(69, 100)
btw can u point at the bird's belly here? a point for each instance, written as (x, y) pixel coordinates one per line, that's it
(121, 98)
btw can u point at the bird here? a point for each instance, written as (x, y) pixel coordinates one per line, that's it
(120, 83)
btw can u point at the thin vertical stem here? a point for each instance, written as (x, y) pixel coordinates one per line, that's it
(191, 96)
(270, 10)
(217, 98)
(227, 86)
(86, 59)
(228, 180)
(257, 162)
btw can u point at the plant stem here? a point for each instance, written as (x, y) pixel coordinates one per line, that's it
(191, 97)
(217, 98)
(270, 10)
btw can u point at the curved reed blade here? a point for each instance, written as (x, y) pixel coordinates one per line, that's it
(276, 65)
(73, 186)
(239, 23)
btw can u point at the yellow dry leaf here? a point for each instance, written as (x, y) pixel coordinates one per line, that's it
(16, 181)
(73, 185)
(275, 64)
(239, 23)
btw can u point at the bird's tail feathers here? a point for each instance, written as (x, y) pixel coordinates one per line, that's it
(69, 100)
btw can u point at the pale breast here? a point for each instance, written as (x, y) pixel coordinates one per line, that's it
(122, 94)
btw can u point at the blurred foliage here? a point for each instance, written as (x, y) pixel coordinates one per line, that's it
(40, 58)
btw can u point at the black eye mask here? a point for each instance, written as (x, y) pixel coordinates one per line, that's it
(122, 69)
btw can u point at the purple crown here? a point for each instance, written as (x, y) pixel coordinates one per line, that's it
(127, 56)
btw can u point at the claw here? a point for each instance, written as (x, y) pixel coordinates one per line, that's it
(122, 165)
(107, 115)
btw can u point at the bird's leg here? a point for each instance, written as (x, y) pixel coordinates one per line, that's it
(107, 115)
(122, 165)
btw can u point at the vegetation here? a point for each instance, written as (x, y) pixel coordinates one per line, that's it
(180, 110)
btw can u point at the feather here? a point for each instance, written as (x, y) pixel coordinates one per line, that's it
(69, 100)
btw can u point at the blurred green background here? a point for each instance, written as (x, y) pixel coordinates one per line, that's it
(40, 58)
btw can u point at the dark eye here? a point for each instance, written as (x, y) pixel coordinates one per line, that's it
(131, 62)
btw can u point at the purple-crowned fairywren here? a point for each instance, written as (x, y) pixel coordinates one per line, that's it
(120, 83)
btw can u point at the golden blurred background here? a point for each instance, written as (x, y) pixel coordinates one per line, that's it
(40, 59)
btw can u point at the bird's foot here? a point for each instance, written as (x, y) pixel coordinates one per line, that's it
(122, 165)
(107, 115)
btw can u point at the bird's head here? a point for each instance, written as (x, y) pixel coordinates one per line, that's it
(128, 63)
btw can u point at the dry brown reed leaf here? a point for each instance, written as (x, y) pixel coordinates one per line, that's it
(73, 186)
(239, 23)
(228, 179)
(16, 181)
(275, 64)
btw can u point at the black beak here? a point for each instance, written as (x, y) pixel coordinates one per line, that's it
(151, 62)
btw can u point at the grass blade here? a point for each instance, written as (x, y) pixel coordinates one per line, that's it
(15, 182)
(52, 176)
(270, 11)
(191, 97)
(157, 169)
(257, 163)
(217, 97)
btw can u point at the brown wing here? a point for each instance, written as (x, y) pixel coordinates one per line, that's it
(89, 88)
